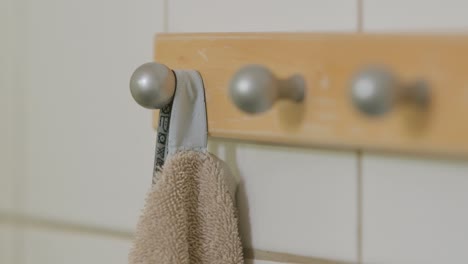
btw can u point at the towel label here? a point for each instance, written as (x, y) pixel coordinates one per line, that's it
(162, 139)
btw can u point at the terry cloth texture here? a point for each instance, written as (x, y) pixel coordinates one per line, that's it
(190, 215)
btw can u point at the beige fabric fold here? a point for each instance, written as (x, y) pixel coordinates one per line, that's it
(190, 215)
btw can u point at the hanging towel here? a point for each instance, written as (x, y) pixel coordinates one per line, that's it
(190, 215)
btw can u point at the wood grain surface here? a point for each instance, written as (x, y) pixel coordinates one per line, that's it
(327, 117)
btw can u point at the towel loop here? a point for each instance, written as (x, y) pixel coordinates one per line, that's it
(254, 89)
(152, 85)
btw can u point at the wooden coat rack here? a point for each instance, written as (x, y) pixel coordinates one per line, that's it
(328, 62)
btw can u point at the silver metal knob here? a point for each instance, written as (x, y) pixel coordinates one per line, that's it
(152, 85)
(254, 89)
(375, 91)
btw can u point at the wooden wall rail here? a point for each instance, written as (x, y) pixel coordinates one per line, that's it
(327, 117)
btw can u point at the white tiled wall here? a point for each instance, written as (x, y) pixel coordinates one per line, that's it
(12, 97)
(415, 15)
(415, 210)
(295, 200)
(6, 244)
(42, 246)
(262, 15)
(5, 170)
(89, 148)
(80, 150)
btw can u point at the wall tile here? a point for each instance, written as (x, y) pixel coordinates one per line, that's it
(45, 247)
(5, 115)
(262, 15)
(415, 15)
(295, 200)
(6, 193)
(415, 210)
(12, 107)
(90, 146)
(6, 244)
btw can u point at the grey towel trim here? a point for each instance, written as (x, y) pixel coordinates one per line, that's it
(188, 125)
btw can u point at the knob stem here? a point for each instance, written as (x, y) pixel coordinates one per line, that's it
(417, 93)
(292, 88)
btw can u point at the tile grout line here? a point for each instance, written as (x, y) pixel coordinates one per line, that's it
(359, 187)
(256, 254)
(359, 216)
(26, 221)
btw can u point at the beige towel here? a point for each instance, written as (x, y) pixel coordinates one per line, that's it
(190, 215)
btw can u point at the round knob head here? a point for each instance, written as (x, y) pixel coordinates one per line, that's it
(152, 85)
(254, 89)
(373, 90)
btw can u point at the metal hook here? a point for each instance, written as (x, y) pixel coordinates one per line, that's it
(375, 90)
(152, 85)
(255, 89)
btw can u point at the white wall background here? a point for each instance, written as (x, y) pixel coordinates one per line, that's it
(76, 151)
